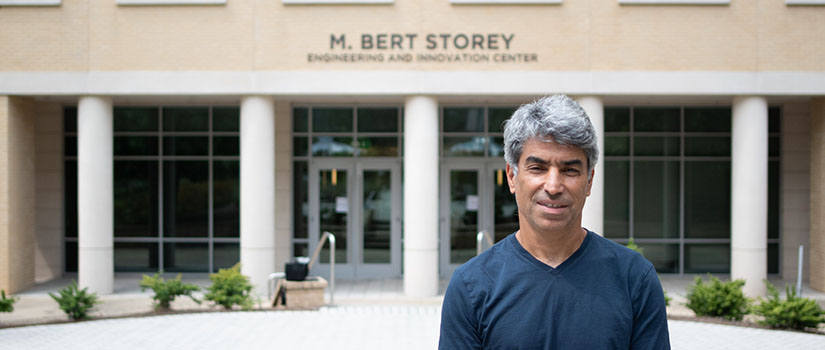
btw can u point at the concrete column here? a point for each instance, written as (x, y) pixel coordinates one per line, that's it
(258, 190)
(95, 194)
(17, 194)
(816, 253)
(749, 193)
(593, 213)
(421, 196)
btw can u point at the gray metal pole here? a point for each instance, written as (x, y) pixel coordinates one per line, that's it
(799, 272)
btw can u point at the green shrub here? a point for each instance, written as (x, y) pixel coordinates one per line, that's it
(167, 291)
(667, 298)
(632, 245)
(718, 299)
(229, 287)
(6, 304)
(75, 302)
(793, 312)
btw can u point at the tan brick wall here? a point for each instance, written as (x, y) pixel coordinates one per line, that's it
(244, 35)
(796, 187)
(48, 255)
(817, 251)
(17, 195)
(283, 184)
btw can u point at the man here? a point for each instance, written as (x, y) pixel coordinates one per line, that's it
(553, 284)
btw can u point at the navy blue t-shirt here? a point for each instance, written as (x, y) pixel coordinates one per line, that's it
(604, 296)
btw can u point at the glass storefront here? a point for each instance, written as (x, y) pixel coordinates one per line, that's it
(176, 188)
(667, 185)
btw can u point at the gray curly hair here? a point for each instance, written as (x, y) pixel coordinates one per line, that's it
(557, 118)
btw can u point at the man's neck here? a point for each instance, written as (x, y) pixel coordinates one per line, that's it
(551, 248)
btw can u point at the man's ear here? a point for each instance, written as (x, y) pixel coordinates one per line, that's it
(590, 180)
(511, 181)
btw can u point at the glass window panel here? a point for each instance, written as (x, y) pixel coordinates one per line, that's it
(773, 258)
(226, 145)
(496, 147)
(464, 146)
(616, 199)
(226, 198)
(377, 119)
(332, 146)
(186, 145)
(300, 119)
(616, 119)
(707, 119)
(655, 146)
(334, 214)
(505, 210)
(773, 199)
(774, 119)
(70, 119)
(707, 258)
(135, 145)
(773, 146)
(300, 249)
(378, 146)
(300, 146)
(135, 119)
(134, 257)
(463, 215)
(616, 146)
(226, 118)
(186, 195)
(656, 199)
(71, 256)
(300, 205)
(70, 146)
(377, 216)
(707, 199)
(463, 119)
(331, 119)
(665, 257)
(707, 146)
(70, 197)
(225, 255)
(186, 118)
(656, 119)
(498, 115)
(186, 257)
(135, 198)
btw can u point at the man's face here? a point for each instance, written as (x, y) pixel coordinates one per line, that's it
(551, 186)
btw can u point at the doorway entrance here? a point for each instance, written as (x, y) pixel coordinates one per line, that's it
(360, 203)
(474, 197)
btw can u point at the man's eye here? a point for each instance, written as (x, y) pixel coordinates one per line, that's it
(571, 171)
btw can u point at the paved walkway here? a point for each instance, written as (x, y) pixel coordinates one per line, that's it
(368, 315)
(343, 327)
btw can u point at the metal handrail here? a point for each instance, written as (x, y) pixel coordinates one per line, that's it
(479, 241)
(331, 237)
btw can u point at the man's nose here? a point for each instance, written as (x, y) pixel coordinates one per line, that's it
(553, 182)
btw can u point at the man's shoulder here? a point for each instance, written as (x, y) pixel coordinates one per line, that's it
(484, 269)
(619, 256)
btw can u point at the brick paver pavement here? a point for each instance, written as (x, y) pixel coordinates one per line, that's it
(393, 327)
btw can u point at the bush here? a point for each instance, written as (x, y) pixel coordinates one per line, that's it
(6, 304)
(229, 287)
(167, 291)
(793, 312)
(718, 299)
(632, 246)
(667, 298)
(75, 302)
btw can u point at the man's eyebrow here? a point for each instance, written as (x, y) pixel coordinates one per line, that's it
(572, 162)
(534, 159)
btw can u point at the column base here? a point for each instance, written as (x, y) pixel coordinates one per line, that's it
(421, 273)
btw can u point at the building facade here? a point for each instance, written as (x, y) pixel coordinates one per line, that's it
(188, 135)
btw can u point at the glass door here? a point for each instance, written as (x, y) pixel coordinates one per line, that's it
(474, 197)
(359, 202)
